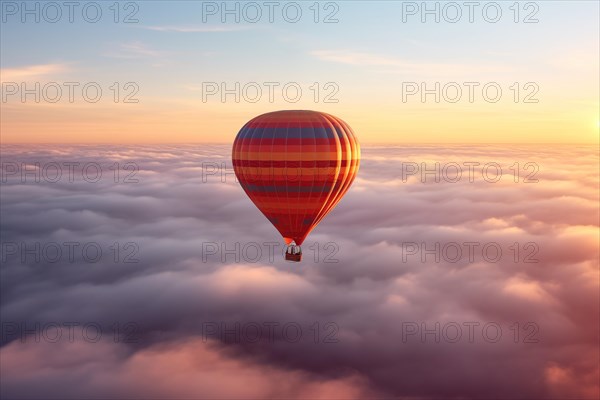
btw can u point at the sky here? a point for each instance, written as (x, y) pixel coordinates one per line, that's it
(163, 68)
(194, 304)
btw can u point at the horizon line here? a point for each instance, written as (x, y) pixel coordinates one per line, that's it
(363, 143)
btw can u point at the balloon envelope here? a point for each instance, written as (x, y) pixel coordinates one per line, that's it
(295, 166)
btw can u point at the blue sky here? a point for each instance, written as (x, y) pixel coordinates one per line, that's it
(369, 52)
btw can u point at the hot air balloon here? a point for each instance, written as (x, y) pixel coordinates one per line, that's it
(295, 166)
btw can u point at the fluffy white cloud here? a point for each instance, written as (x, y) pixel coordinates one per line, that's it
(367, 290)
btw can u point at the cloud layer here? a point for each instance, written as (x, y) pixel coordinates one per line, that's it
(483, 285)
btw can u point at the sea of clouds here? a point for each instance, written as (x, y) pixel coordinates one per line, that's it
(137, 271)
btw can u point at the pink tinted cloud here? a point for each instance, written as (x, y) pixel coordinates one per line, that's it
(368, 294)
(179, 369)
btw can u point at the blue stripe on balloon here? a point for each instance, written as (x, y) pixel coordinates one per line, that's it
(291, 133)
